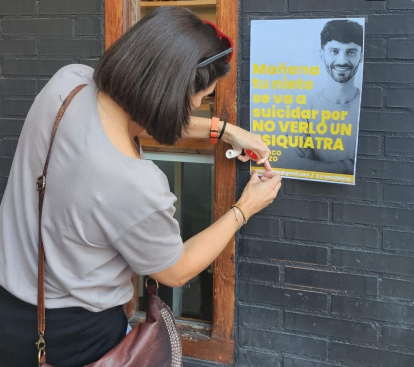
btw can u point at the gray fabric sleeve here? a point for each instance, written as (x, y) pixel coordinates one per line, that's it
(153, 244)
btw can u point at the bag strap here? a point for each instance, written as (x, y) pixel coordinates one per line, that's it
(40, 187)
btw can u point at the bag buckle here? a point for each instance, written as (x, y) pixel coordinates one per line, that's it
(40, 183)
(151, 288)
(41, 346)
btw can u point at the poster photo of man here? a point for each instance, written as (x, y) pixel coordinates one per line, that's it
(305, 95)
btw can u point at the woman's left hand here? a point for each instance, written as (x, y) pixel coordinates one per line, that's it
(242, 139)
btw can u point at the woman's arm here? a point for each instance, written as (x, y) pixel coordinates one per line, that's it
(239, 138)
(202, 249)
(199, 252)
(199, 128)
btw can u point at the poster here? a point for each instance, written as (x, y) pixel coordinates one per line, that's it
(305, 95)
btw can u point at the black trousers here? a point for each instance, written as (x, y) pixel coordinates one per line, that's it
(74, 336)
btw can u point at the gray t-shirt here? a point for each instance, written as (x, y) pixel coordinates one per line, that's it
(105, 214)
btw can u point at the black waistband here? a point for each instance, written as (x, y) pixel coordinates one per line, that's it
(74, 336)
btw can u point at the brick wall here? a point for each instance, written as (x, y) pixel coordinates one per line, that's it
(325, 275)
(37, 37)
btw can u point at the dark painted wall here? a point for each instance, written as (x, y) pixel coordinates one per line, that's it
(326, 273)
(37, 37)
(325, 276)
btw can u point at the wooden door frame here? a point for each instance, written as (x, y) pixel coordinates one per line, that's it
(219, 344)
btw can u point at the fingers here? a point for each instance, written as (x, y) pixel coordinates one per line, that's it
(264, 179)
(264, 161)
(264, 157)
(261, 191)
(243, 158)
(278, 187)
(260, 149)
(267, 166)
(276, 183)
(272, 174)
(268, 174)
(255, 176)
(246, 158)
(277, 178)
(272, 181)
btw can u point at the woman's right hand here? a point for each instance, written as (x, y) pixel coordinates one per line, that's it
(259, 192)
(201, 249)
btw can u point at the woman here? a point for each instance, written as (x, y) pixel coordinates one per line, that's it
(107, 211)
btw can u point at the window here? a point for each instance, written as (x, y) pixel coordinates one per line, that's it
(209, 341)
(190, 177)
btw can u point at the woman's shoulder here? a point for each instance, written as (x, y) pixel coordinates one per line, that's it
(66, 79)
(73, 74)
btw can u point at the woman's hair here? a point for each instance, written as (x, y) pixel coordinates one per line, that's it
(151, 71)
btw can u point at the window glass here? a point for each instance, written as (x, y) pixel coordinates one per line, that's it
(192, 183)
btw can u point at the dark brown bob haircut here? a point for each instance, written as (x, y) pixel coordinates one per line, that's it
(151, 70)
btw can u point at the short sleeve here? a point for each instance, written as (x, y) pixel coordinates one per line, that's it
(153, 244)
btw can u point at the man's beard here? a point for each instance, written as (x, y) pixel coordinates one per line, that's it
(341, 73)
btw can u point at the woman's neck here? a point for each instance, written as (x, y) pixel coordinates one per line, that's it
(118, 126)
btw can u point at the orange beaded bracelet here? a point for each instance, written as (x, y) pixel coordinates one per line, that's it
(214, 130)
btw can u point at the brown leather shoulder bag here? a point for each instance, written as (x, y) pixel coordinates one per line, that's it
(153, 343)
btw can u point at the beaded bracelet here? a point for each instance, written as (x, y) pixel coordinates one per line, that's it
(214, 130)
(238, 206)
(236, 212)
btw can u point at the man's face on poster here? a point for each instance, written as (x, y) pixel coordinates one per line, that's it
(341, 60)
